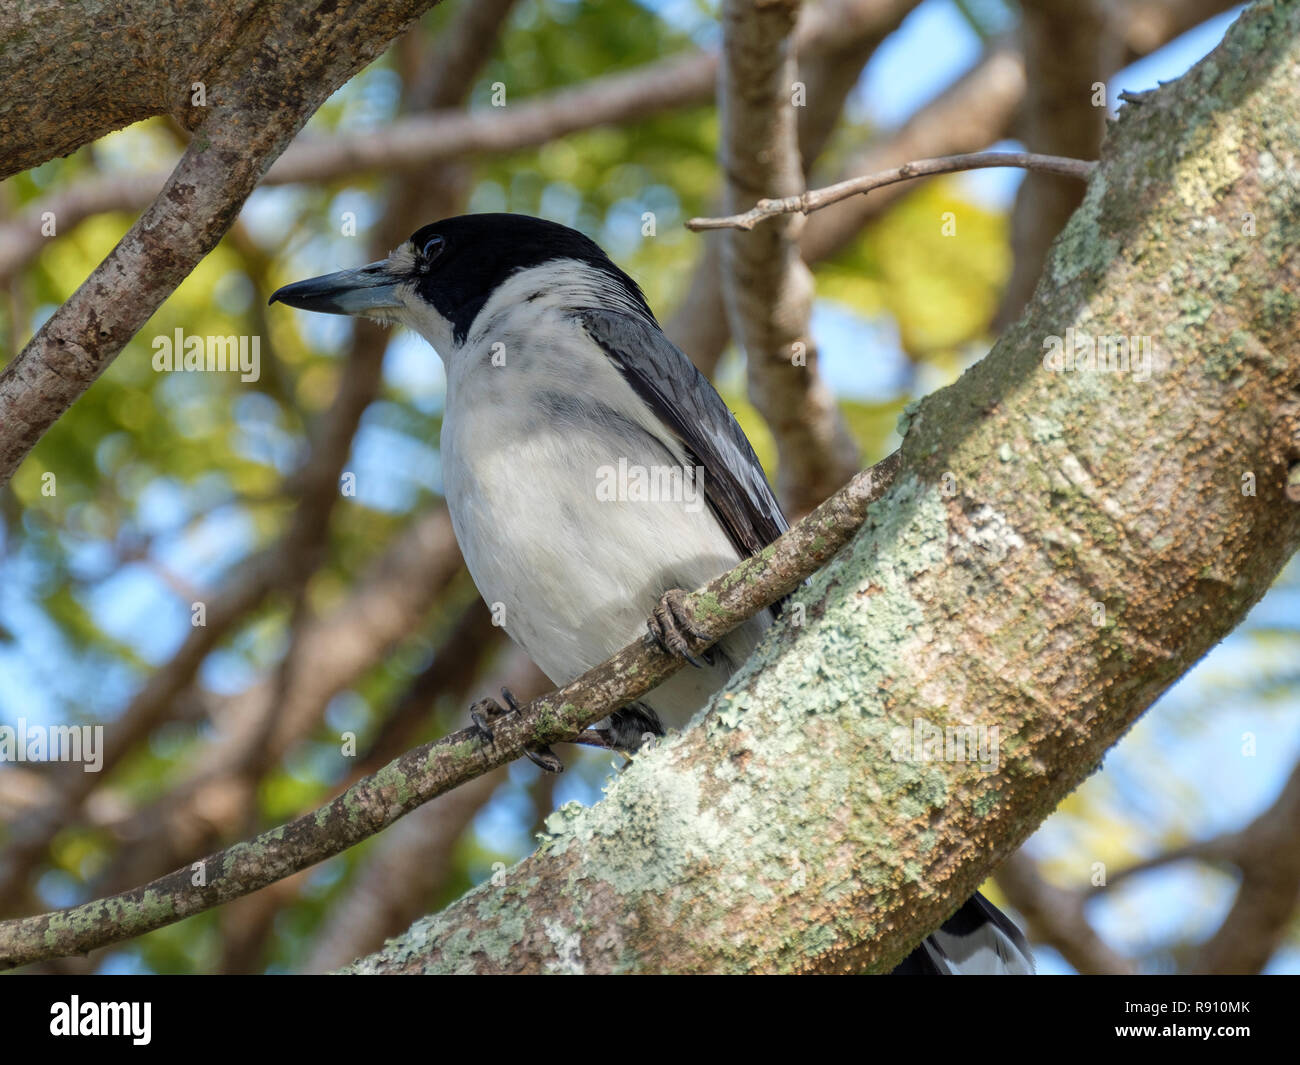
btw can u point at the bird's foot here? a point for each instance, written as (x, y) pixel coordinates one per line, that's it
(485, 711)
(480, 713)
(671, 623)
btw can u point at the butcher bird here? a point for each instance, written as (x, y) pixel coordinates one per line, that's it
(591, 473)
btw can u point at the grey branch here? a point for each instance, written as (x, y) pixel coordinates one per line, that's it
(816, 199)
(1057, 916)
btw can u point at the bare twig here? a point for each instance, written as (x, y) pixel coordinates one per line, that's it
(969, 115)
(816, 199)
(972, 113)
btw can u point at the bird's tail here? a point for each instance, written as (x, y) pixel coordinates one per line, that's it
(977, 940)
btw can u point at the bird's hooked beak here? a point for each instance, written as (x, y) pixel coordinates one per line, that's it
(368, 290)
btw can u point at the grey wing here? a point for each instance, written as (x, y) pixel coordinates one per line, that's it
(684, 400)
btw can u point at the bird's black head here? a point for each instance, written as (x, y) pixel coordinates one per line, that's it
(454, 267)
(465, 259)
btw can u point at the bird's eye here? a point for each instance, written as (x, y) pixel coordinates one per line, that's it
(431, 249)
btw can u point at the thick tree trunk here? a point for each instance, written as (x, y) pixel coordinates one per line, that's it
(1058, 548)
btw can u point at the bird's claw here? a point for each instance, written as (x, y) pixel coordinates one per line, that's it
(482, 712)
(671, 623)
(543, 757)
(546, 758)
(486, 710)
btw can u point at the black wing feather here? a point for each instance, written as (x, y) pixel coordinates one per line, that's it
(684, 400)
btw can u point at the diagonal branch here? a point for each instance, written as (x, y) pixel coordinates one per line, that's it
(816, 199)
(431, 770)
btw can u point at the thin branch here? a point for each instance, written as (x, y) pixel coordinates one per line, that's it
(816, 199)
(972, 113)
(435, 768)
(1215, 851)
